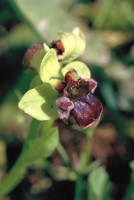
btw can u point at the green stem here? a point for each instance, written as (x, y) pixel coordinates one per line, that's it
(63, 154)
(78, 187)
(33, 129)
(86, 153)
(17, 173)
(130, 189)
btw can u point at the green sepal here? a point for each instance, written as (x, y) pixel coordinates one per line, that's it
(40, 102)
(46, 47)
(50, 67)
(74, 44)
(82, 70)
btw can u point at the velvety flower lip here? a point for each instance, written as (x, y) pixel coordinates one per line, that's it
(78, 101)
(65, 107)
(92, 84)
(88, 112)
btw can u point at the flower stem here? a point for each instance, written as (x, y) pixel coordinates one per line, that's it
(78, 187)
(33, 129)
(63, 154)
(18, 171)
(15, 175)
(86, 152)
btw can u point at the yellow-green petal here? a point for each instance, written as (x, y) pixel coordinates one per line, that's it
(74, 44)
(50, 67)
(82, 69)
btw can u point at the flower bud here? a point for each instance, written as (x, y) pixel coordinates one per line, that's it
(69, 46)
(34, 56)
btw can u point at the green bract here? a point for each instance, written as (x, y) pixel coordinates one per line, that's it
(40, 101)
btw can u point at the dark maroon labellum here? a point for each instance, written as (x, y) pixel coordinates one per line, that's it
(87, 112)
(78, 89)
(78, 101)
(65, 106)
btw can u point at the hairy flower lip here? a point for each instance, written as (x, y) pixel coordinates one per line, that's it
(84, 112)
(65, 107)
(85, 85)
(92, 84)
(78, 101)
(87, 113)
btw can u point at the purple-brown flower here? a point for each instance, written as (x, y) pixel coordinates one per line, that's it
(78, 101)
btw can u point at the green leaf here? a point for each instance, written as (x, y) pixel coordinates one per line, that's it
(50, 67)
(99, 184)
(44, 145)
(80, 67)
(74, 44)
(40, 102)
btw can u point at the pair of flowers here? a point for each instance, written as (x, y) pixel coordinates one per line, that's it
(63, 87)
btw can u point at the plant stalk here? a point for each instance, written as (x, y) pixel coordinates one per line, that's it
(15, 175)
(78, 187)
(18, 171)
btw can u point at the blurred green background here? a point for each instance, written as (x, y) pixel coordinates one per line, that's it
(108, 26)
